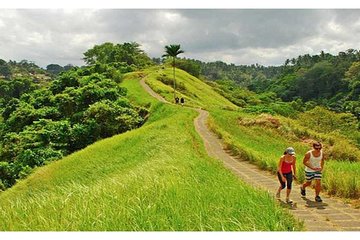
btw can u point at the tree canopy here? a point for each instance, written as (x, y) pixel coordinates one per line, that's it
(127, 56)
(44, 122)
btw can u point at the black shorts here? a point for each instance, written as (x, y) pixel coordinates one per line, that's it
(289, 179)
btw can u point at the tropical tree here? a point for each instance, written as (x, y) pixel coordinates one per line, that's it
(172, 51)
(118, 55)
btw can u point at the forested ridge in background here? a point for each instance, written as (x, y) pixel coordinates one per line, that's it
(332, 81)
(49, 113)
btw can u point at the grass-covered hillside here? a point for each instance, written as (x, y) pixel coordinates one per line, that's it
(263, 138)
(195, 92)
(156, 177)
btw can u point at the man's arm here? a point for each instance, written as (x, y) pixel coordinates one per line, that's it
(306, 160)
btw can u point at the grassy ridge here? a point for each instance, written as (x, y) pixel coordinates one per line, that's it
(196, 92)
(261, 145)
(157, 177)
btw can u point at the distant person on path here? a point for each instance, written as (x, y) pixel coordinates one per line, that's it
(286, 172)
(177, 100)
(182, 100)
(314, 164)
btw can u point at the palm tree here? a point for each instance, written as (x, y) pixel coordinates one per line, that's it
(172, 51)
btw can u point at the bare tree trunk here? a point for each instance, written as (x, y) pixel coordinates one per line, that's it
(174, 77)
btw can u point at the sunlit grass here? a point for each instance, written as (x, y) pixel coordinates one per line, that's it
(264, 146)
(157, 177)
(197, 93)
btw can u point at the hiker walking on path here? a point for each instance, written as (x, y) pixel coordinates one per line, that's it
(176, 100)
(286, 172)
(314, 164)
(182, 101)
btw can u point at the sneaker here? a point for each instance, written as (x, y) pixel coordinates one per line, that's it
(302, 192)
(318, 199)
(289, 200)
(277, 195)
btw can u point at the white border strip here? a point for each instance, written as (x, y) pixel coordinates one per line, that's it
(198, 4)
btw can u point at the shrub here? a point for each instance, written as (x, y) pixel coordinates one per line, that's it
(170, 82)
(344, 151)
(30, 158)
(25, 172)
(2, 186)
(283, 109)
(326, 121)
(258, 109)
(6, 175)
(265, 120)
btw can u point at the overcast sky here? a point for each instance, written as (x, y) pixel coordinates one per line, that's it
(267, 37)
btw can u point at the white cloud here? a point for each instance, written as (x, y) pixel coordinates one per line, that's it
(241, 36)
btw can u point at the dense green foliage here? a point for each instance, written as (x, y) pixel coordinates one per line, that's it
(55, 69)
(44, 121)
(125, 57)
(24, 69)
(192, 67)
(77, 109)
(323, 79)
(254, 77)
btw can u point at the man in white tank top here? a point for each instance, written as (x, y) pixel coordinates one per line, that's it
(314, 164)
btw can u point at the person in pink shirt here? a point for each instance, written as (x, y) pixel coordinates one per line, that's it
(286, 172)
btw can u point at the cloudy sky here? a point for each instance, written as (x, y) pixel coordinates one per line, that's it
(239, 36)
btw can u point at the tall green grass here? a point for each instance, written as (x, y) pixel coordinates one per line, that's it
(196, 93)
(262, 145)
(157, 177)
(135, 91)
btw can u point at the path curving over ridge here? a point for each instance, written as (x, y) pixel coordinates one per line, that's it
(151, 92)
(331, 215)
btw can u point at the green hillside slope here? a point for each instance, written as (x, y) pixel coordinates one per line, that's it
(196, 92)
(262, 139)
(157, 177)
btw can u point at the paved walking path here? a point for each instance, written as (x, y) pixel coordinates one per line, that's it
(331, 215)
(151, 92)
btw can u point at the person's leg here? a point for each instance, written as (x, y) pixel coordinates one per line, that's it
(306, 184)
(289, 179)
(317, 177)
(317, 190)
(288, 191)
(278, 192)
(303, 186)
(282, 185)
(308, 177)
(317, 186)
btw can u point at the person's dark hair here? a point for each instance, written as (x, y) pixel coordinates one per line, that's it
(317, 145)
